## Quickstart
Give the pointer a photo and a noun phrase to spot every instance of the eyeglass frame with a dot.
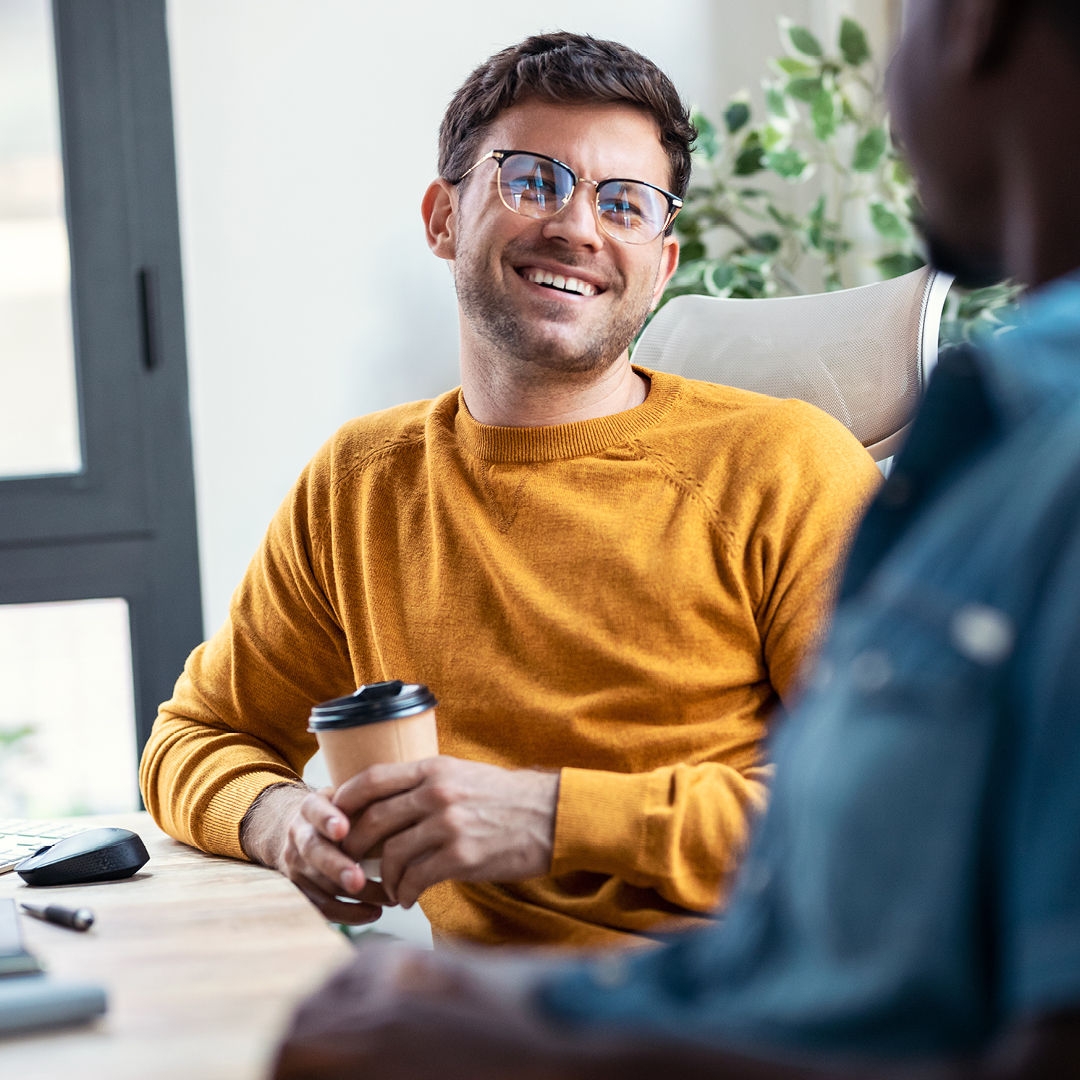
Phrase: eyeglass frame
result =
(675, 204)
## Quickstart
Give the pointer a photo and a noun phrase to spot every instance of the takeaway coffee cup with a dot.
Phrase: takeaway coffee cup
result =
(380, 722)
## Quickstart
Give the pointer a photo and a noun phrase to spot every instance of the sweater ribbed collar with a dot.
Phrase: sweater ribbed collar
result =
(556, 442)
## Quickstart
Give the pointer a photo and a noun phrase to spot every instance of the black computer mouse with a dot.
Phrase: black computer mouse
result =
(94, 855)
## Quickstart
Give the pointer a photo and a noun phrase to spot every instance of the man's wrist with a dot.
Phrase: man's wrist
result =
(264, 826)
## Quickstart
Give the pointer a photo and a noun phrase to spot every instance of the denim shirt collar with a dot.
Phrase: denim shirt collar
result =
(1036, 365)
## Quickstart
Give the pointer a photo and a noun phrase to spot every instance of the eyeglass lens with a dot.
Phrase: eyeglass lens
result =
(538, 187)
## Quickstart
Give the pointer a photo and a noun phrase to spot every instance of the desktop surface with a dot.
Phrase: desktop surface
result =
(203, 959)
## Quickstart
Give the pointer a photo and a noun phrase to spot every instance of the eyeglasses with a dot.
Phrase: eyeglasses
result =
(539, 186)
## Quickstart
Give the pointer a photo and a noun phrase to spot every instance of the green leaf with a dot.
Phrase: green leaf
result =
(767, 242)
(752, 261)
(718, 279)
(817, 211)
(804, 89)
(790, 66)
(775, 101)
(772, 137)
(834, 246)
(782, 218)
(706, 142)
(804, 42)
(853, 44)
(691, 250)
(888, 223)
(11, 736)
(869, 150)
(790, 163)
(899, 262)
(823, 115)
(899, 173)
(750, 158)
(688, 277)
(736, 115)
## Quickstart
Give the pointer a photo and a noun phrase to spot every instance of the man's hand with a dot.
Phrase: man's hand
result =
(445, 819)
(298, 832)
(469, 1015)
(407, 1015)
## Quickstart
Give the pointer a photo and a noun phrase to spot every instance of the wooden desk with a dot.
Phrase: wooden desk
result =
(203, 960)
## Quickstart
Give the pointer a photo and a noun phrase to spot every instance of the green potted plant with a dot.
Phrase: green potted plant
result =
(815, 195)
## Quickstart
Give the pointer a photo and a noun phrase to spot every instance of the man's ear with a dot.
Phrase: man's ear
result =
(439, 210)
(669, 260)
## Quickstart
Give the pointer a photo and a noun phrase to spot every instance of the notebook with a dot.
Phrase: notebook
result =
(29, 998)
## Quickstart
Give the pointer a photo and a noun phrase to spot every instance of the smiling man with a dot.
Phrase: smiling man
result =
(609, 577)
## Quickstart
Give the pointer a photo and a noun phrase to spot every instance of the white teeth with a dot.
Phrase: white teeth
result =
(558, 281)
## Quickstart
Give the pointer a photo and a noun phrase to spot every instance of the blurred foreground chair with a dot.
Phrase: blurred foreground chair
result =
(861, 354)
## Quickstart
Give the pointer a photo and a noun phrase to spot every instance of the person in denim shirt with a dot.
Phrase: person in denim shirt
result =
(911, 902)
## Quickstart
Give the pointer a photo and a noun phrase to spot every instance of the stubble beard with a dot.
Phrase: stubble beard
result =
(513, 334)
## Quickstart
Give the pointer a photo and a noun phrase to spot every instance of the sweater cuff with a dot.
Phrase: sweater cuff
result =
(601, 823)
(219, 832)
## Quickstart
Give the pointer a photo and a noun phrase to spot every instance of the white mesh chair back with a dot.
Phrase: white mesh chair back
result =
(861, 354)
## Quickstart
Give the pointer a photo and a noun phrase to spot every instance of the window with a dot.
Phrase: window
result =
(97, 517)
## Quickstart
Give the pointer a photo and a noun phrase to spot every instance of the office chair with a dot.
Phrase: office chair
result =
(861, 354)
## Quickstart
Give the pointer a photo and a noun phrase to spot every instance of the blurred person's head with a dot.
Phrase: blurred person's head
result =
(985, 99)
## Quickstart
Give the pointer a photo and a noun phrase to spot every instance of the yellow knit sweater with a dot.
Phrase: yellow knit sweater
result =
(621, 599)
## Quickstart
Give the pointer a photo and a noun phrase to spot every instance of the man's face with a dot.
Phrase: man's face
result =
(944, 130)
(502, 260)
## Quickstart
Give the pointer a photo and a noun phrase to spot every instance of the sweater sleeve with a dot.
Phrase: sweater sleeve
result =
(237, 720)
(682, 828)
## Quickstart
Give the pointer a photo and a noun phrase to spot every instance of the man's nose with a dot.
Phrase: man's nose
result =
(577, 223)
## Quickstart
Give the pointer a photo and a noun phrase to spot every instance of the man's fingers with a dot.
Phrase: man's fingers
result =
(364, 906)
(311, 854)
(441, 864)
(379, 782)
(385, 818)
(406, 849)
(352, 913)
(326, 874)
(324, 816)
(374, 893)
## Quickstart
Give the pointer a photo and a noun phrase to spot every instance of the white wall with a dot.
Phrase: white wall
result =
(305, 138)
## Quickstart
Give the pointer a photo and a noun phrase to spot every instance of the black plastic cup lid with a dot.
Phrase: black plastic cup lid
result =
(371, 704)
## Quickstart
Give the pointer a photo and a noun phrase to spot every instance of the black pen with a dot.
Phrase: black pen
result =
(75, 918)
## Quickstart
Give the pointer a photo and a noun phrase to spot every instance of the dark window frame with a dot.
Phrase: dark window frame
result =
(124, 526)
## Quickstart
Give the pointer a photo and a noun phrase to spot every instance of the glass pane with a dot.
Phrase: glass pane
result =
(39, 424)
(67, 712)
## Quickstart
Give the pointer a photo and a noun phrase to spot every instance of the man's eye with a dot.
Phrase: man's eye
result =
(533, 185)
(626, 213)
(540, 180)
(621, 207)
(630, 207)
(535, 189)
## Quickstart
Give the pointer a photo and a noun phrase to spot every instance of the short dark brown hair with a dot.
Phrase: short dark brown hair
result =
(568, 68)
